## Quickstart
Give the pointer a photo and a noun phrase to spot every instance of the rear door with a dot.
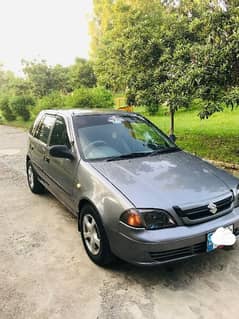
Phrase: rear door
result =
(61, 171)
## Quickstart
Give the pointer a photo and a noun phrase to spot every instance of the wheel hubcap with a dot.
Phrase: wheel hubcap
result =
(91, 234)
(30, 176)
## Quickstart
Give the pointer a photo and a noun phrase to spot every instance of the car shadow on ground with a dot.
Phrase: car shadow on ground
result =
(179, 275)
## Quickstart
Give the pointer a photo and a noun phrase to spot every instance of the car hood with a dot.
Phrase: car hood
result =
(165, 180)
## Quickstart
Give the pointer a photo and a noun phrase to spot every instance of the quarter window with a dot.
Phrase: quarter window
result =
(43, 131)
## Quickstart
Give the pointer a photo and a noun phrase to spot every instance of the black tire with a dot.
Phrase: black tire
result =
(102, 255)
(32, 178)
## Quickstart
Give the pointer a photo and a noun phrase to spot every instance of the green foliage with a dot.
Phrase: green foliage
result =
(100, 22)
(7, 81)
(90, 98)
(21, 106)
(159, 52)
(102, 98)
(44, 79)
(55, 100)
(82, 74)
(6, 110)
(152, 109)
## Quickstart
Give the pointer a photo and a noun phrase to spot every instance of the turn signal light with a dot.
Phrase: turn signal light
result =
(132, 218)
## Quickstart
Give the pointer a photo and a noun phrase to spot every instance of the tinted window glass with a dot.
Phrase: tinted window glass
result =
(35, 125)
(44, 129)
(59, 133)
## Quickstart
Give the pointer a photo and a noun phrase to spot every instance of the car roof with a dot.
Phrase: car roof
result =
(80, 112)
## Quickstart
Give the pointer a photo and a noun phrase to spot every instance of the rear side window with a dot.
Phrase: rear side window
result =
(59, 133)
(43, 130)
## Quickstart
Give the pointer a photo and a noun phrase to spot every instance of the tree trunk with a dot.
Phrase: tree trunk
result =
(172, 122)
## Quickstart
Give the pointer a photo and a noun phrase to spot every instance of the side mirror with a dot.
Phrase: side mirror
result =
(61, 151)
(172, 137)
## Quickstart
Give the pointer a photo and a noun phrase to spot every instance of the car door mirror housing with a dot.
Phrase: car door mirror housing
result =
(61, 151)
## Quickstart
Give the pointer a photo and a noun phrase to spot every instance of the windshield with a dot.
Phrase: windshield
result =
(107, 136)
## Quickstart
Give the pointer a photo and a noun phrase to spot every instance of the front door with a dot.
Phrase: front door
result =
(61, 171)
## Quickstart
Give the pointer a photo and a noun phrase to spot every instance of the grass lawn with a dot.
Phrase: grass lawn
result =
(18, 123)
(216, 138)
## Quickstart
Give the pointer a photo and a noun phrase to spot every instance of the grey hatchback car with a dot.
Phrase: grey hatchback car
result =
(137, 196)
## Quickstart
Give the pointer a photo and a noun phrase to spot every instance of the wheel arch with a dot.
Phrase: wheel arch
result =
(85, 201)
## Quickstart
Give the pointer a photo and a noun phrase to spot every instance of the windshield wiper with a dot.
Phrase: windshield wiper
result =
(164, 150)
(126, 156)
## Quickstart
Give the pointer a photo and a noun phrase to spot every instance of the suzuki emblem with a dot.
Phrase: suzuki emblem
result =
(212, 207)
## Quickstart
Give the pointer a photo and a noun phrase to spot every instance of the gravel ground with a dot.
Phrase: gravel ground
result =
(45, 273)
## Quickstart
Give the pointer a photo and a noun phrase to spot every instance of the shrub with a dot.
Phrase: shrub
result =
(21, 106)
(6, 110)
(152, 109)
(55, 100)
(102, 98)
(90, 98)
(80, 98)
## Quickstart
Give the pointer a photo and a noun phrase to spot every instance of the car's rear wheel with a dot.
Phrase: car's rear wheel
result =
(35, 186)
(94, 236)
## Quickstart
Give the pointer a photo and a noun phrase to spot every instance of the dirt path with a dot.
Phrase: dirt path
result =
(45, 273)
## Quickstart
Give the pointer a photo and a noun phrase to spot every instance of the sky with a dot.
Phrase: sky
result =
(54, 30)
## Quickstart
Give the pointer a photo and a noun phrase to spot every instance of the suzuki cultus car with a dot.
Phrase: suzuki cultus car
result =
(136, 194)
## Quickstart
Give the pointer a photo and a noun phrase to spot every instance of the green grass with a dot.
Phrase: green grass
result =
(216, 138)
(17, 123)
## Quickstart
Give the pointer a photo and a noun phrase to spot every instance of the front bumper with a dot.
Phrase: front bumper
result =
(144, 247)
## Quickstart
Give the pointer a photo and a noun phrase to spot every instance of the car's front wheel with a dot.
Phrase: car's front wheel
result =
(35, 186)
(94, 237)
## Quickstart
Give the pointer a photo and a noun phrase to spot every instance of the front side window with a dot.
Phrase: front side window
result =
(107, 136)
(59, 133)
(43, 131)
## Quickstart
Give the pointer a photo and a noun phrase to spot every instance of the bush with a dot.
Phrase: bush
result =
(80, 98)
(90, 98)
(21, 106)
(102, 98)
(152, 109)
(55, 100)
(6, 110)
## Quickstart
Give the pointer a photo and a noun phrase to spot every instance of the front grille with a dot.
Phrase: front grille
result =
(202, 214)
(172, 254)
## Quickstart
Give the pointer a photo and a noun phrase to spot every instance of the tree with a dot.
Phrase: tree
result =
(216, 60)
(100, 22)
(139, 55)
(81, 74)
(44, 79)
(7, 80)
(170, 52)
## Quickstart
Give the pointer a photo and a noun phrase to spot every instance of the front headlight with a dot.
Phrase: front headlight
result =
(147, 219)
